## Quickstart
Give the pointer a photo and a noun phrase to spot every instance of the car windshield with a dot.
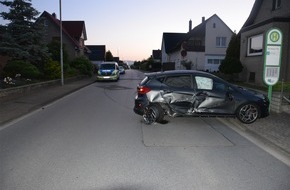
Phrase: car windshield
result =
(107, 66)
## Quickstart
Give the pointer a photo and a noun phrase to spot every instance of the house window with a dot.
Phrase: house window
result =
(221, 41)
(214, 61)
(276, 4)
(255, 45)
(214, 25)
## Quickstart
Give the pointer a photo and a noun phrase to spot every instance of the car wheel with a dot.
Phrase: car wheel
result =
(248, 113)
(153, 113)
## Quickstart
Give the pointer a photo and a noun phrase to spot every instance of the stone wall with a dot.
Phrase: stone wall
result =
(277, 104)
(9, 93)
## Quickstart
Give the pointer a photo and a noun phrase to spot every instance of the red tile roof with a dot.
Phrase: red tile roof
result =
(72, 29)
(75, 28)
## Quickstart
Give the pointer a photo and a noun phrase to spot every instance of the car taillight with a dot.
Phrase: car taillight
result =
(143, 89)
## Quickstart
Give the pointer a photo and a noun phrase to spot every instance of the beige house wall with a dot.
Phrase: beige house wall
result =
(52, 31)
(264, 21)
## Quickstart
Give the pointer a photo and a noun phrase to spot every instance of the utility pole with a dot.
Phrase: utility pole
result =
(61, 48)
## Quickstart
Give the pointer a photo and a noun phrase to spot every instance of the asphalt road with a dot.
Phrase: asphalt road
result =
(91, 140)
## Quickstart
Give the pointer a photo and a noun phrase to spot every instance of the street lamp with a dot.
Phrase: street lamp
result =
(61, 48)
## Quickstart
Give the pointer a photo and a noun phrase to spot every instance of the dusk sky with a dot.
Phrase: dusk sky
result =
(131, 29)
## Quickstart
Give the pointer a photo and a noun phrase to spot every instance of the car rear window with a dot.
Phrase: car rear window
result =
(182, 81)
(107, 66)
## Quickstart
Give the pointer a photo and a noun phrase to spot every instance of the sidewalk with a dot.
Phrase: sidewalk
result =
(19, 105)
(273, 130)
(271, 133)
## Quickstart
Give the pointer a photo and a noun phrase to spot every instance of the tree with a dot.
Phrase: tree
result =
(83, 65)
(232, 64)
(54, 51)
(22, 37)
(109, 56)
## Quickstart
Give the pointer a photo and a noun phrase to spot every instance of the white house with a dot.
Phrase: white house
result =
(202, 48)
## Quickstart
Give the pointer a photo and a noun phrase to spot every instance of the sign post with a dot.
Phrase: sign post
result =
(272, 59)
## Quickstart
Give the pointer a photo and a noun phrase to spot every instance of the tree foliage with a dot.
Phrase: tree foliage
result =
(83, 65)
(231, 64)
(24, 68)
(22, 37)
(52, 70)
(54, 51)
(109, 56)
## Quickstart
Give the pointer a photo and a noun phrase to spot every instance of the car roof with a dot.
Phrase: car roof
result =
(178, 72)
(192, 72)
(109, 62)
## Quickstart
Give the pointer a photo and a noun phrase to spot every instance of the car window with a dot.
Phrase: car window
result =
(183, 81)
(203, 83)
(219, 86)
(107, 66)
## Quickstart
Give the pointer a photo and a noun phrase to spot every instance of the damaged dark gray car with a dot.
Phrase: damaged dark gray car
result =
(196, 93)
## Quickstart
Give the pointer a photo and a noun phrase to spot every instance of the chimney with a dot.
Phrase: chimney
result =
(53, 15)
(203, 19)
(190, 25)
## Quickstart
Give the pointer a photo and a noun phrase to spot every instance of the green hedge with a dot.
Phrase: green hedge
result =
(83, 65)
(24, 68)
(52, 70)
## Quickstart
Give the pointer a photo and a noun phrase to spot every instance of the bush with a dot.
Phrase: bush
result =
(83, 65)
(52, 70)
(70, 72)
(279, 86)
(26, 69)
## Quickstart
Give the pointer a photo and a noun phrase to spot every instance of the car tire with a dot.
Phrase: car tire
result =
(152, 114)
(248, 113)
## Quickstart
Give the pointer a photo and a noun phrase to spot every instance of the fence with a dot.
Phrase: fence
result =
(281, 100)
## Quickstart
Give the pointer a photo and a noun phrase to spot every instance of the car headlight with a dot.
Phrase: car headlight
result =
(266, 99)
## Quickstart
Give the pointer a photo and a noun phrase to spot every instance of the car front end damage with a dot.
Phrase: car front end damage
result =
(260, 99)
(264, 107)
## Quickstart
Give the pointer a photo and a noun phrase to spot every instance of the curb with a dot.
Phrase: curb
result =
(259, 140)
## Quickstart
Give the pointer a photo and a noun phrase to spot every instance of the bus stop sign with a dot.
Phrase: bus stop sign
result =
(272, 59)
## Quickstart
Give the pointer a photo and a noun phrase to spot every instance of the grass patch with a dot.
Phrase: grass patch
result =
(279, 86)
(276, 88)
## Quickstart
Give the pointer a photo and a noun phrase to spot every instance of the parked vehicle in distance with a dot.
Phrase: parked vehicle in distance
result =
(196, 93)
(108, 71)
(122, 70)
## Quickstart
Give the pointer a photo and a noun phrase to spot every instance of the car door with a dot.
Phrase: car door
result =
(212, 96)
(177, 91)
